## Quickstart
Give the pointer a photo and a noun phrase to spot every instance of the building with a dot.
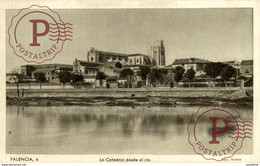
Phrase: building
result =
(158, 54)
(87, 69)
(139, 59)
(50, 70)
(195, 63)
(110, 63)
(126, 60)
(103, 57)
(111, 57)
(27, 70)
(110, 70)
(246, 68)
(106, 62)
(235, 64)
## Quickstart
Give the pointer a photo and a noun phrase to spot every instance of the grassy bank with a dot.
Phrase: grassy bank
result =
(128, 101)
(128, 92)
(132, 97)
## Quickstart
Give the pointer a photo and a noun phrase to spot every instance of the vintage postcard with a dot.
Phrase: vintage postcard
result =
(129, 82)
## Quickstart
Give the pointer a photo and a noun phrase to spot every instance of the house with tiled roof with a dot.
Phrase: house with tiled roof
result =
(246, 68)
(50, 71)
(195, 63)
(87, 69)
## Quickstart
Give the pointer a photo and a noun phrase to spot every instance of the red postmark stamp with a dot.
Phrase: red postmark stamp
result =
(37, 34)
(223, 131)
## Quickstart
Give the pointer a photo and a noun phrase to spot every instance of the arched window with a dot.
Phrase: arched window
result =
(92, 59)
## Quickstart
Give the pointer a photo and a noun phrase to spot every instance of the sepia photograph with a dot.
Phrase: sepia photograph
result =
(144, 81)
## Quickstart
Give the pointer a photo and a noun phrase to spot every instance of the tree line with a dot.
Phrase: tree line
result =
(151, 76)
(162, 75)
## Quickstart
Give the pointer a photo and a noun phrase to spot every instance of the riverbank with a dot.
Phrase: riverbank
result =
(134, 97)
(218, 92)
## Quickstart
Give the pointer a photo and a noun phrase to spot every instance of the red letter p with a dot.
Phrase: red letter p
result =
(35, 34)
(214, 129)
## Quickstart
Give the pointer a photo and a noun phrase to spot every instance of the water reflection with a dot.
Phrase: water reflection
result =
(101, 130)
(128, 127)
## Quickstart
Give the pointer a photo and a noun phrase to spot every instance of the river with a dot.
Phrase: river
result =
(104, 130)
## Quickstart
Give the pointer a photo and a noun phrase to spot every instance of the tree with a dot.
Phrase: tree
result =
(144, 73)
(76, 78)
(227, 73)
(170, 77)
(18, 78)
(118, 65)
(101, 76)
(128, 74)
(190, 74)
(214, 69)
(40, 77)
(21, 77)
(164, 73)
(158, 75)
(178, 71)
(155, 76)
(64, 76)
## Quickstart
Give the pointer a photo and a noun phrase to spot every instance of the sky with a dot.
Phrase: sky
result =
(212, 34)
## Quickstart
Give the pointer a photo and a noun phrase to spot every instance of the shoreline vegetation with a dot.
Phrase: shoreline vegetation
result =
(134, 97)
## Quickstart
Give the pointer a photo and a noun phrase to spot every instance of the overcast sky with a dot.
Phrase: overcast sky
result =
(212, 34)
